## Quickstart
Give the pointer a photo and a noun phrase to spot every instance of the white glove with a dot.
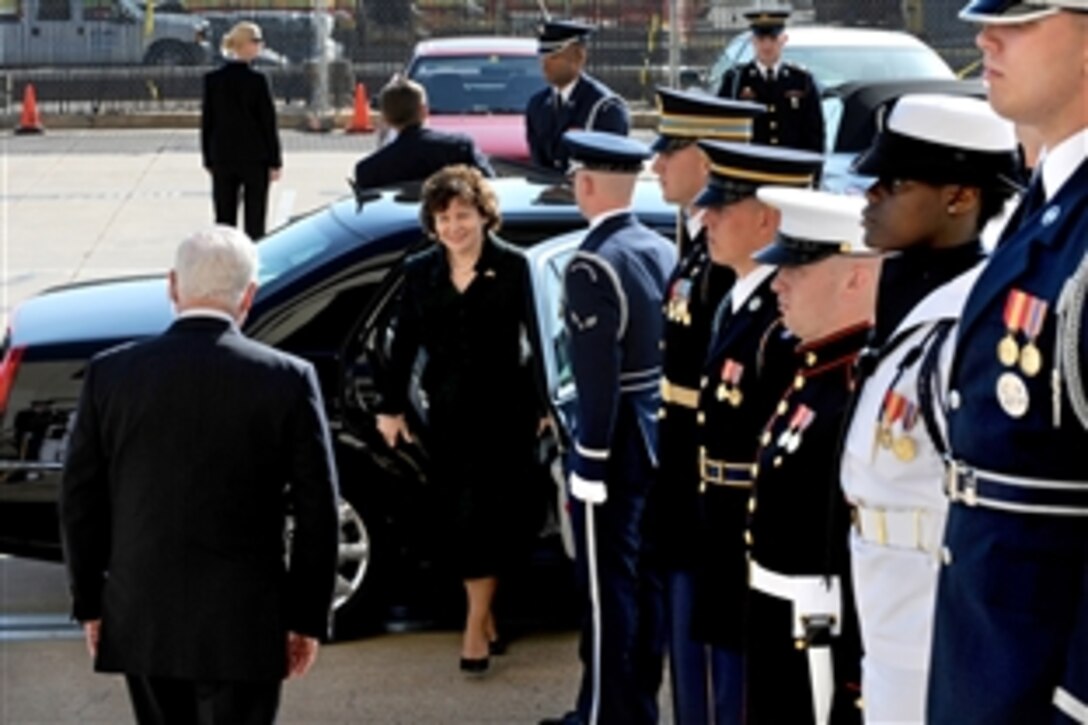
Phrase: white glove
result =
(587, 491)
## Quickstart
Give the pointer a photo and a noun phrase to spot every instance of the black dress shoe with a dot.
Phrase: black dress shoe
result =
(570, 718)
(497, 647)
(475, 665)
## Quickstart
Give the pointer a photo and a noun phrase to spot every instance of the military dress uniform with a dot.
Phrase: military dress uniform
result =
(746, 367)
(1011, 631)
(794, 116)
(801, 653)
(613, 290)
(695, 289)
(892, 460)
(589, 106)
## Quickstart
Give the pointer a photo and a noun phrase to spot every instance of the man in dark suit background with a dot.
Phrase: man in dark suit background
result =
(188, 451)
(416, 152)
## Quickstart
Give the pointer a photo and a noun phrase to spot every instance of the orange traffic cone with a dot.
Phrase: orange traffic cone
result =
(30, 121)
(360, 122)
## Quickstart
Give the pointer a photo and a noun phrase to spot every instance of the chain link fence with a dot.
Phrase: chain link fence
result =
(99, 56)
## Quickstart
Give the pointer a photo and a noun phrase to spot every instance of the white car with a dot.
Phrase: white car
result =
(839, 55)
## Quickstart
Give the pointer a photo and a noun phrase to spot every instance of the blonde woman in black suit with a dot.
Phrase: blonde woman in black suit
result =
(240, 144)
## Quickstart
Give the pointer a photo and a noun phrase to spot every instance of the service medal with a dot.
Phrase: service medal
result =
(1012, 394)
(736, 397)
(885, 437)
(1008, 351)
(793, 443)
(722, 392)
(1031, 360)
(905, 448)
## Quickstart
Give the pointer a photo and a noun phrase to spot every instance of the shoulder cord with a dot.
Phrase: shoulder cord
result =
(1066, 347)
(591, 120)
(930, 399)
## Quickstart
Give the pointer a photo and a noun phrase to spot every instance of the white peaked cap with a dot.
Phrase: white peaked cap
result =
(961, 121)
(815, 224)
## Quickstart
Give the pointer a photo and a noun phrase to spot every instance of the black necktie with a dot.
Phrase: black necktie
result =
(770, 75)
(1034, 199)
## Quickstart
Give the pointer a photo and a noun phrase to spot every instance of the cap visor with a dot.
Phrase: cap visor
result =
(717, 196)
(782, 256)
(1011, 18)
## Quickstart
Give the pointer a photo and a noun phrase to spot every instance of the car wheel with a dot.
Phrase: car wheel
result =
(167, 53)
(357, 599)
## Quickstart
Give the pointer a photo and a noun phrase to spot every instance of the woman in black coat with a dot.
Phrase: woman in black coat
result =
(465, 302)
(239, 140)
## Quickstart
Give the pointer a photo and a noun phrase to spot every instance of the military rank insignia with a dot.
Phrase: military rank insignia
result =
(729, 387)
(677, 309)
(1024, 316)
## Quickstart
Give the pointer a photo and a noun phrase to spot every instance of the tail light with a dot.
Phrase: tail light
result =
(9, 367)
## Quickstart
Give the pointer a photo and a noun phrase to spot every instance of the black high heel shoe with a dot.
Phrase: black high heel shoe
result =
(475, 665)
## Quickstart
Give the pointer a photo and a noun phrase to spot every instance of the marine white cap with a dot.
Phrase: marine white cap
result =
(815, 224)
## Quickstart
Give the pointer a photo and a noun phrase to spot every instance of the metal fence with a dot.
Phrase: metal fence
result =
(118, 59)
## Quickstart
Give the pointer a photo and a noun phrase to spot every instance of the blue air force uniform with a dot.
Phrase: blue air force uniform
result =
(613, 290)
(802, 653)
(1011, 631)
(695, 289)
(794, 116)
(748, 364)
(589, 105)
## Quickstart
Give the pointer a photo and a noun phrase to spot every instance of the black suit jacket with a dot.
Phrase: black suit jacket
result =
(187, 451)
(794, 117)
(415, 154)
(238, 119)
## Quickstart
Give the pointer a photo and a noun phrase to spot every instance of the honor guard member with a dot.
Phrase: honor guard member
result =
(613, 290)
(747, 366)
(802, 655)
(573, 100)
(695, 289)
(944, 166)
(1011, 630)
(794, 117)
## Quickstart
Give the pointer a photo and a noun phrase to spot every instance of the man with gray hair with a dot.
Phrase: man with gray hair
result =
(187, 452)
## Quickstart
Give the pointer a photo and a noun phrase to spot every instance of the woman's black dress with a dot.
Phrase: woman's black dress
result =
(481, 401)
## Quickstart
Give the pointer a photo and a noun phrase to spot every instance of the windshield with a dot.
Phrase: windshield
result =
(480, 84)
(296, 244)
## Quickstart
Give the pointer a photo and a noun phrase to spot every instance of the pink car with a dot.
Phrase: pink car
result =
(479, 86)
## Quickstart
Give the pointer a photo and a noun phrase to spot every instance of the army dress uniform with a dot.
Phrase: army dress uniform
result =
(802, 654)
(695, 290)
(613, 290)
(794, 116)
(589, 105)
(746, 368)
(1011, 631)
(892, 461)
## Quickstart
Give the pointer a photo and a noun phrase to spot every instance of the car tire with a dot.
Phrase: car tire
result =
(358, 601)
(168, 53)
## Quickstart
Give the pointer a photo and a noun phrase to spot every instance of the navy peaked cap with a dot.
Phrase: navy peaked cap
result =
(1008, 12)
(600, 151)
(558, 34)
(687, 116)
(767, 22)
(738, 170)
